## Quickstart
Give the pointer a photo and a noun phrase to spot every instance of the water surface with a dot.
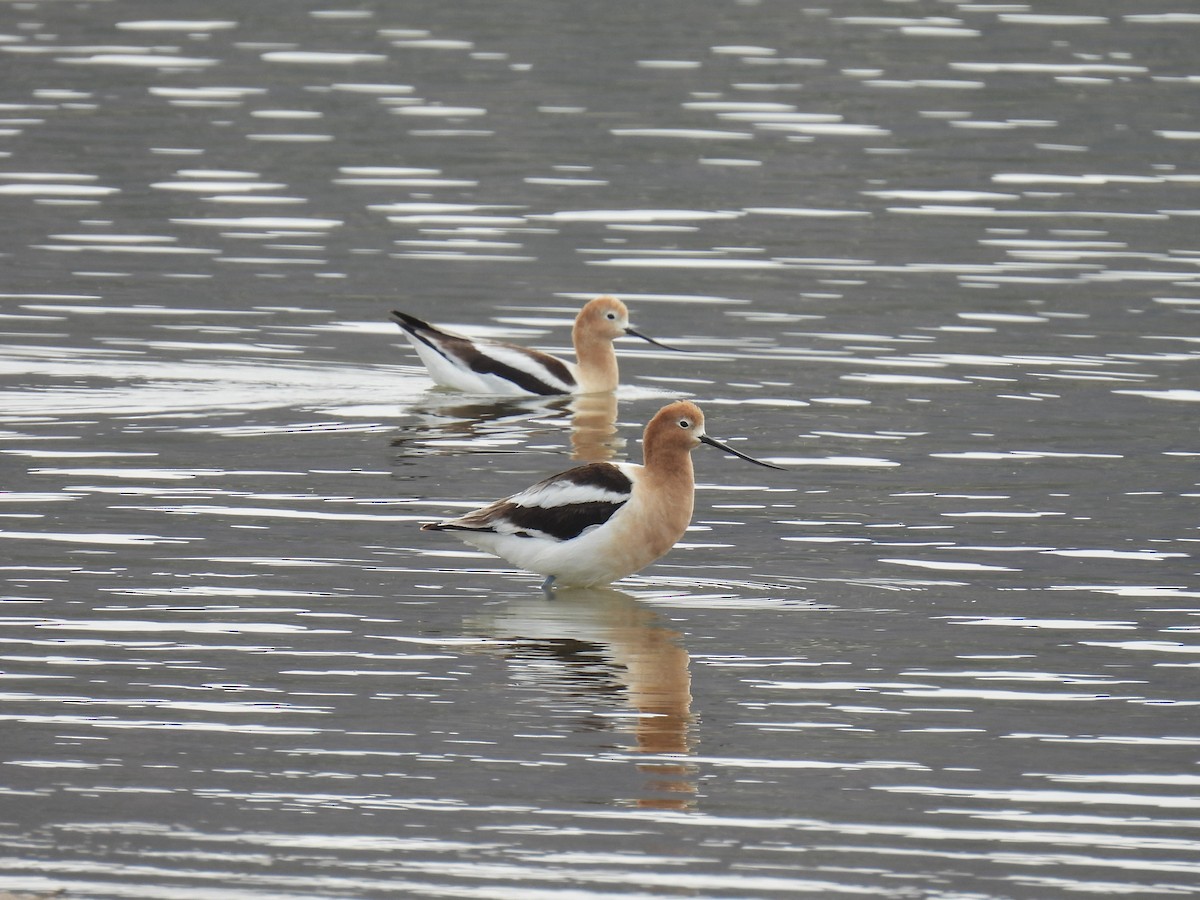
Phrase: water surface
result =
(934, 259)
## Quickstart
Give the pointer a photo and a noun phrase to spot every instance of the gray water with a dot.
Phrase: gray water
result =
(938, 260)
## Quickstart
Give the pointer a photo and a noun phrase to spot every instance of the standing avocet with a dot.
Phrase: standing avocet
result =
(602, 521)
(483, 366)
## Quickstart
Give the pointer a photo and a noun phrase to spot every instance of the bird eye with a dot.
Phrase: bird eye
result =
(684, 423)
(610, 316)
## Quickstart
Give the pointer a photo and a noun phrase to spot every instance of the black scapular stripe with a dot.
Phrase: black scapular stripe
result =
(486, 365)
(479, 362)
(560, 522)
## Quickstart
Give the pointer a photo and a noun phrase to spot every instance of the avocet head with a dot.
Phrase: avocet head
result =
(605, 317)
(681, 424)
(608, 318)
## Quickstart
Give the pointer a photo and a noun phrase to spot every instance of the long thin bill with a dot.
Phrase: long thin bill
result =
(704, 438)
(650, 340)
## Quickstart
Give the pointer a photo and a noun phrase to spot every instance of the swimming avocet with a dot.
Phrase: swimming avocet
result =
(602, 521)
(494, 367)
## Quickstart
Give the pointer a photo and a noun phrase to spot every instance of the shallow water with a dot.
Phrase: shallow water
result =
(936, 260)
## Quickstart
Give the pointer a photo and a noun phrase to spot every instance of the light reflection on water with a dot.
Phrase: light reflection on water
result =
(947, 651)
(597, 642)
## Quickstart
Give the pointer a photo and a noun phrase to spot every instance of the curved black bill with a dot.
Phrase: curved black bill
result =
(650, 340)
(704, 438)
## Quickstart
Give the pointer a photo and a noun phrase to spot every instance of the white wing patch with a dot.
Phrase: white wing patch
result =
(567, 493)
(519, 359)
(447, 373)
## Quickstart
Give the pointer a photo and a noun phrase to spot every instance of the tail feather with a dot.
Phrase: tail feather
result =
(410, 323)
(453, 526)
(418, 330)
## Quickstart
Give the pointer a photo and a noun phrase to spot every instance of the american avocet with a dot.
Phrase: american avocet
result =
(601, 521)
(494, 367)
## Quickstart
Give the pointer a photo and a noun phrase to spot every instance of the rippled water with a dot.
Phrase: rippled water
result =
(936, 259)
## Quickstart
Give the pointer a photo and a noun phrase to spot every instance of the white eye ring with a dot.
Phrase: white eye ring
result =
(610, 316)
(684, 423)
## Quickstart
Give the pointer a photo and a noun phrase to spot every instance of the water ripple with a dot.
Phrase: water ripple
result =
(960, 624)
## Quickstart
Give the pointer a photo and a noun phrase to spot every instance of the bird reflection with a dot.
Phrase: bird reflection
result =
(448, 423)
(605, 643)
(594, 427)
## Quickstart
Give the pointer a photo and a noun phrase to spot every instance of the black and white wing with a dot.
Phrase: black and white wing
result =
(558, 508)
(496, 367)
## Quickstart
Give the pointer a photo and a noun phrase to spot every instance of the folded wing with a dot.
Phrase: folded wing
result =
(497, 366)
(558, 508)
